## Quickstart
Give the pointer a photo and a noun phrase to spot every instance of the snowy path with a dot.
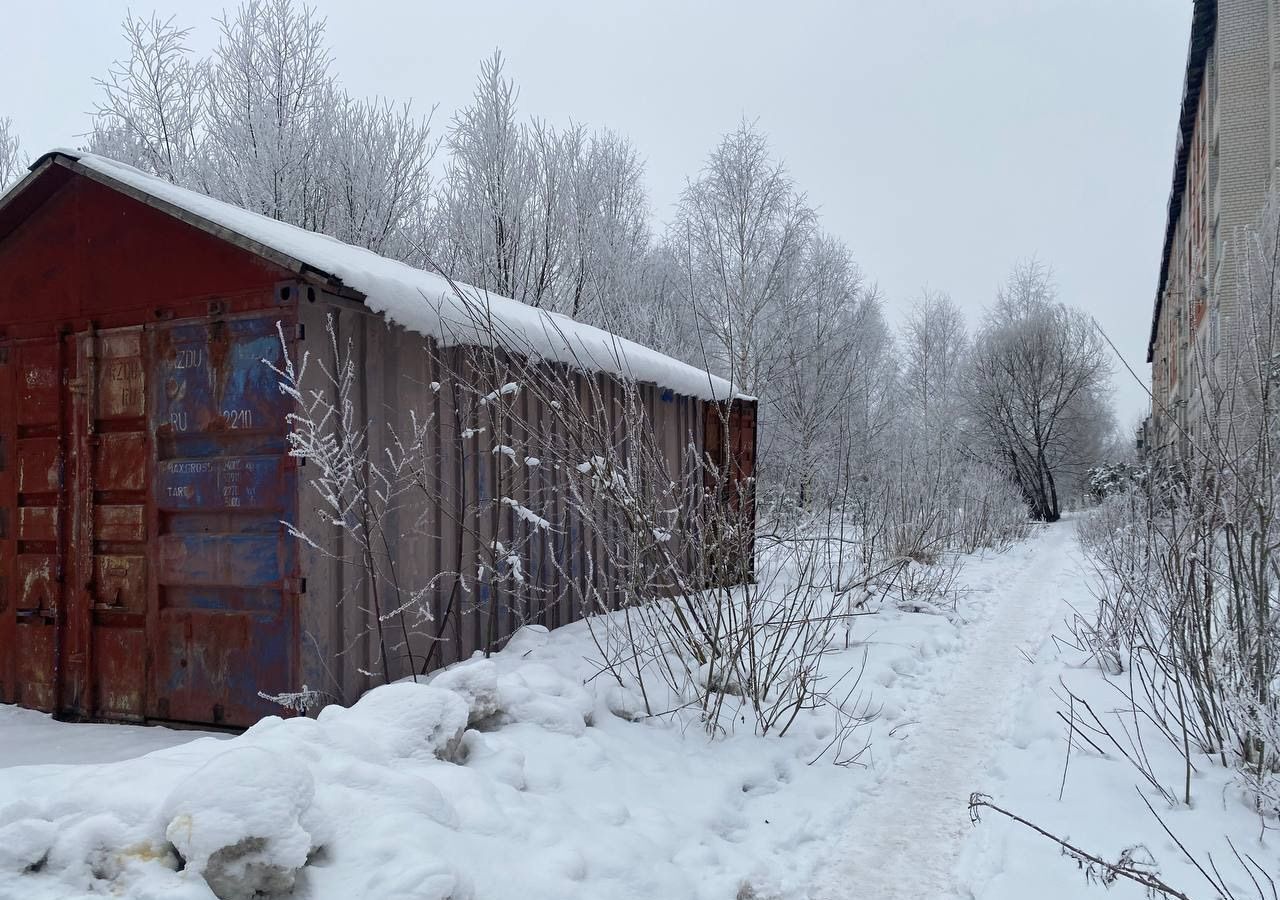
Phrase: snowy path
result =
(904, 840)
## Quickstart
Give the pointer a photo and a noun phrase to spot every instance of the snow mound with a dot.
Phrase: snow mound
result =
(237, 821)
(476, 682)
(25, 843)
(405, 720)
(526, 640)
(537, 694)
(532, 693)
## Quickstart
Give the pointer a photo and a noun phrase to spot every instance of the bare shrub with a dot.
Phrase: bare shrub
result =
(1186, 559)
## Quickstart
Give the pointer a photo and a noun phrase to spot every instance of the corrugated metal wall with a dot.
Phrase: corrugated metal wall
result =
(403, 375)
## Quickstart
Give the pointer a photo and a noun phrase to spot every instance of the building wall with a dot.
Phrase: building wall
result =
(1243, 132)
(1230, 159)
(1184, 311)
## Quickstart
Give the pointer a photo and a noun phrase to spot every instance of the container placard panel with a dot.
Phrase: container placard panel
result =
(221, 560)
(216, 379)
(236, 482)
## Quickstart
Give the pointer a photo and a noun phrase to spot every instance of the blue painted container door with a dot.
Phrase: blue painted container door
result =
(226, 569)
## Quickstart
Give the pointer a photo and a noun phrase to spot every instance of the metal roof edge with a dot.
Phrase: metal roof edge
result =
(36, 169)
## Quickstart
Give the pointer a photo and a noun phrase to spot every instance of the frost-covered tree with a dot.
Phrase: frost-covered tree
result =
(941, 497)
(834, 393)
(556, 218)
(376, 184)
(876, 368)
(263, 124)
(1038, 385)
(609, 235)
(935, 344)
(270, 97)
(657, 314)
(824, 361)
(12, 162)
(740, 234)
(491, 219)
(150, 112)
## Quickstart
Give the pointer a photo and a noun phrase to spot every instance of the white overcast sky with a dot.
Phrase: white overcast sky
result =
(941, 140)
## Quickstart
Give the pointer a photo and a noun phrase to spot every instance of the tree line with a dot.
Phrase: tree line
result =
(915, 423)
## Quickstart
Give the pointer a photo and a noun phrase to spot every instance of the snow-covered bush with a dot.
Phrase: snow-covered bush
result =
(1113, 478)
(733, 645)
(1187, 604)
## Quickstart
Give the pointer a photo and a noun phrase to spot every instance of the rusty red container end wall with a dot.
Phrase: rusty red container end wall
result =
(144, 572)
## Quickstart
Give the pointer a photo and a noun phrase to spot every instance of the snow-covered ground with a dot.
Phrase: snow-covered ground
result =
(1102, 809)
(904, 839)
(30, 739)
(557, 791)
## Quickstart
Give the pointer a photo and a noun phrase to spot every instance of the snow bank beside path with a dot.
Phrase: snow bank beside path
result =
(28, 739)
(1101, 809)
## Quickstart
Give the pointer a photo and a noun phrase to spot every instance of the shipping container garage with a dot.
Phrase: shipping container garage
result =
(147, 491)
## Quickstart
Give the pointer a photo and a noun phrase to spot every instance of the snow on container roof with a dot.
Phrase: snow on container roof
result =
(418, 300)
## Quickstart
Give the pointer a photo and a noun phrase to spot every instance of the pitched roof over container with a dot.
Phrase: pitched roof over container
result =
(420, 301)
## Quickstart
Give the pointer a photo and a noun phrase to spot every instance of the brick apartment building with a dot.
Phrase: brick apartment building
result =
(1227, 149)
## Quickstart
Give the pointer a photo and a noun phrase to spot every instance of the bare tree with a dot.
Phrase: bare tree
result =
(270, 91)
(609, 234)
(935, 344)
(1038, 375)
(830, 335)
(740, 234)
(940, 500)
(557, 219)
(12, 162)
(377, 175)
(488, 219)
(263, 124)
(150, 115)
